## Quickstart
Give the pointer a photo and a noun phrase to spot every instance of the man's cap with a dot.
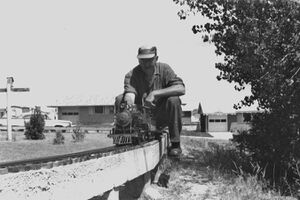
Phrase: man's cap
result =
(145, 52)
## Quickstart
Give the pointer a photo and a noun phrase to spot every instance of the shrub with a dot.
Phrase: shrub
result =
(35, 127)
(78, 135)
(224, 157)
(237, 176)
(274, 143)
(59, 138)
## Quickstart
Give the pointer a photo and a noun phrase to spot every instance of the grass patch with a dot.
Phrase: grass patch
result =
(26, 149)
(195, 133)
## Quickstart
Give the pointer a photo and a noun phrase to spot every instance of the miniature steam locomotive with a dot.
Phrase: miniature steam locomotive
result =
(133, 125)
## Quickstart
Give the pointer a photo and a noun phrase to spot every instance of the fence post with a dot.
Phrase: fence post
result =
(8, 107)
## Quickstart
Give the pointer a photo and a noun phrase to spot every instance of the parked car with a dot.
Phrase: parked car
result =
(15, 122)
(50, 122)
(20, 121)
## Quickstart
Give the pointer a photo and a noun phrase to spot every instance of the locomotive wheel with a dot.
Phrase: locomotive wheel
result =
(136, 140)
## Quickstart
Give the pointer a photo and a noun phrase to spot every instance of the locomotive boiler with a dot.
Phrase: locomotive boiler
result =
(133, 124)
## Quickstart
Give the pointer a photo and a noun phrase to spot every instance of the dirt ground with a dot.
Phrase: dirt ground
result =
(184, 179)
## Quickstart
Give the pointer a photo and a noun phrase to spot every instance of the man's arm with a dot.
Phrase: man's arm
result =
(174, 90)
(129, 88)
(174, 84)
(129, 98)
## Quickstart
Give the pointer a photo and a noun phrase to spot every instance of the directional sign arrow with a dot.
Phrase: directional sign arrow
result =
(20, 89)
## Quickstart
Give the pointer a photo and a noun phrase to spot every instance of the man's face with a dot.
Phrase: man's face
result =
(148, 63)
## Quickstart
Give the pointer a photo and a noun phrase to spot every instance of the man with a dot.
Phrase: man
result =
(160, 87)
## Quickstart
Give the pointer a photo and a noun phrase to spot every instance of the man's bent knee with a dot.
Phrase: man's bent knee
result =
(174, 100)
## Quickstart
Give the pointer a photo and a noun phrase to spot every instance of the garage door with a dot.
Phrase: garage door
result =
(71, 115)
(217, 125)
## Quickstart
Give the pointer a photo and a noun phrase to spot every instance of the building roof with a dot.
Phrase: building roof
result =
(249, 111)
(217, 114)
(84, 100)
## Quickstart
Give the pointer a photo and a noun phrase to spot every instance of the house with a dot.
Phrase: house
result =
(186, 117)
(244, 116)
(242, 121)
(190, 117)
(233, 122)
(217, 122)
(231, 118)
(190, 114)
(92, 110)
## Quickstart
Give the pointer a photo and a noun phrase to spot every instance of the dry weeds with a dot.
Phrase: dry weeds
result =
(191, 179)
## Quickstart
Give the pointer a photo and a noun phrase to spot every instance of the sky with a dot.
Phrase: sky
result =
(62, 48)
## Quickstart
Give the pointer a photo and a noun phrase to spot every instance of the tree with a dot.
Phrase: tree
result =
(260, 43)
(35, 127)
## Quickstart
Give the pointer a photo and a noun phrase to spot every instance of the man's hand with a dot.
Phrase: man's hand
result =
(129, 98)
(150, 99)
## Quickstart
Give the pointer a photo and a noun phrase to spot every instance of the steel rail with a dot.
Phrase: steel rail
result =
(49, 128)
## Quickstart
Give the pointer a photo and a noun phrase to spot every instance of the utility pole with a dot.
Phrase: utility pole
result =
(9, 88)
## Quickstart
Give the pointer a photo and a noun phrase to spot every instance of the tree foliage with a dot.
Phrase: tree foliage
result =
(260, 43)
(35, 127)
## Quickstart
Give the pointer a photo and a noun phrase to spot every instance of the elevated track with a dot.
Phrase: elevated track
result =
(81, 175)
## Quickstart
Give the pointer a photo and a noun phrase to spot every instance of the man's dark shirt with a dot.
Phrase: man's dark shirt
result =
(163, 77)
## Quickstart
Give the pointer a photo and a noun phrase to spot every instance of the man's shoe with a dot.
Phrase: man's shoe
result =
(176, 152)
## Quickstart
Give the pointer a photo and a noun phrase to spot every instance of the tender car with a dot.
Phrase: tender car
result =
(20, 121)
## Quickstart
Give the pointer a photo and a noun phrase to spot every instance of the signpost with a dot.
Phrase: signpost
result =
(9, 88)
